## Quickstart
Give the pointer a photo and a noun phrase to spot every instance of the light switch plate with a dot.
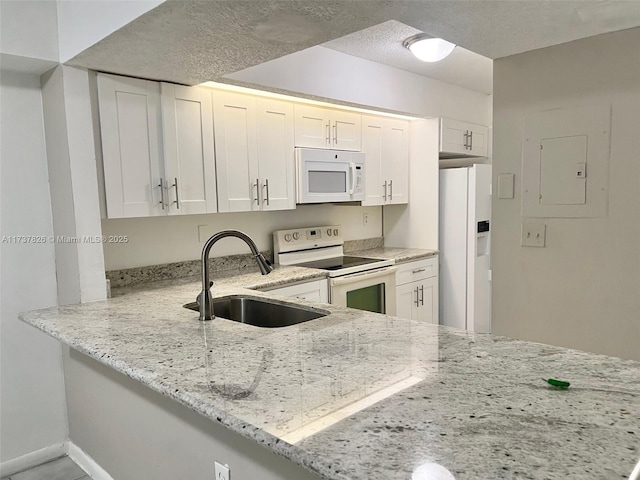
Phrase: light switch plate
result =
(505, 185)
(533, 234)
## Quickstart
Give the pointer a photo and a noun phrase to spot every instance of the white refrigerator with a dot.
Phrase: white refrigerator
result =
(465, 248)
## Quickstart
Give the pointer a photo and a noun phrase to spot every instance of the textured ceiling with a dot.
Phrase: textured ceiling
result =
(383, 44)
(192, 42)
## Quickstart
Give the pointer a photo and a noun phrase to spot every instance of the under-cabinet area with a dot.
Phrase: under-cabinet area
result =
(173, 150)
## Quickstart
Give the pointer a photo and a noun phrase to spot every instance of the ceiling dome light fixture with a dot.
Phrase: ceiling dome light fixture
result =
(427, 48)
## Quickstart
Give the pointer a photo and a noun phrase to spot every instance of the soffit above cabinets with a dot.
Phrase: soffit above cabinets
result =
(192, 42)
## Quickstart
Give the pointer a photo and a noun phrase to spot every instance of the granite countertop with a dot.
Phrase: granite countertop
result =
(359, 395)
(400, 255)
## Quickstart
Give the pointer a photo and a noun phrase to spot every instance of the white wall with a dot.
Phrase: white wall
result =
(583, 289)
(32, 408)
(160, 240)
(29, 29)
(74, 184)
(335, 75)
(135, 433)
(82, 23)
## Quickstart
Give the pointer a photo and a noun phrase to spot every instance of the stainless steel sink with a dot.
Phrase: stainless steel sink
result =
(261, 312)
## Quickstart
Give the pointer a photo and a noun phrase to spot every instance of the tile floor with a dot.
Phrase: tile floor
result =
(61, 469)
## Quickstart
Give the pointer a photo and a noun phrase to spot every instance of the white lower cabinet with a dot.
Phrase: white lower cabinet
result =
(314, 291)
(417, 290)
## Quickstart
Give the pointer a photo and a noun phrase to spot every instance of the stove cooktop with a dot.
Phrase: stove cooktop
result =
(339, 263)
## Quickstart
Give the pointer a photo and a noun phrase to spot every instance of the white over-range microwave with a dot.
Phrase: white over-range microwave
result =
(329, 176)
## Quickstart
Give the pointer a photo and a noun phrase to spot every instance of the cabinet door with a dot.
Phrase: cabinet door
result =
(188, 145)
(478, 140)
(312, 127)
(462, 138)
(427, 310)
(406, 296)
(372, 146)
(453, 136)
(396, 160)
(236, 152)
(346, 131)
(131, 130)
(276, 154)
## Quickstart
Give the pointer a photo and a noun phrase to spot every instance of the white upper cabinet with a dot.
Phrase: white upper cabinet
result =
(462, 139)
(385, 142)
(276, 168)
(254, 153)
(187, 120)
(318, 127)
(236, 151)
(131, 129)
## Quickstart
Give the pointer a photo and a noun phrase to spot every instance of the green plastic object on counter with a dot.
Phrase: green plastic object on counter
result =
(557, 383)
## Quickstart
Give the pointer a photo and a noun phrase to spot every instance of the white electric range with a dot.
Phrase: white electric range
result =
(356, 282)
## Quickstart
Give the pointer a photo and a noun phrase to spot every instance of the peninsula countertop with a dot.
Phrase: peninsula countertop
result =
(359, 395)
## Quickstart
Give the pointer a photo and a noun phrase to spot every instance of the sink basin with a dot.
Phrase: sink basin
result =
(261, 312)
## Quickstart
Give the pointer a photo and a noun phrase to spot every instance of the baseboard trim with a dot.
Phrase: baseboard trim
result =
(33, 459)
(88, 464)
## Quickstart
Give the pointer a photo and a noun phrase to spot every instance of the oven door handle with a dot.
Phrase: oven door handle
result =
(364, 275)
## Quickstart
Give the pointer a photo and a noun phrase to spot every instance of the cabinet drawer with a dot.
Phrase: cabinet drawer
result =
(418, 270)
(315, 291)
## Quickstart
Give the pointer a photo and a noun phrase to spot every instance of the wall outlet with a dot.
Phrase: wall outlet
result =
(365, 218)
(533, 234)
(204, 232)
(223, 472)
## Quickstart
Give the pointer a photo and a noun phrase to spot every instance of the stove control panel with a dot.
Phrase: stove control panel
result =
(300, 239)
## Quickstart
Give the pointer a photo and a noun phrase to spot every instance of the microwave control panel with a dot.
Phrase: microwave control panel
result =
(359, 183)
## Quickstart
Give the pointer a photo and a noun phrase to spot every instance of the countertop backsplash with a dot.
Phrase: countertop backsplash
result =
(190, 268)
(365, 244)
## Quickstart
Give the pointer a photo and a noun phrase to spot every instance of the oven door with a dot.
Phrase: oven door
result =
(374, 290)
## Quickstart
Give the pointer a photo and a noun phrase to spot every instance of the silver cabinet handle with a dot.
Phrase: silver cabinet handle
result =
(385, 191)
(390, 190)
(471, 140)
(421, 294)
(175, 184)
(417, 301)
(257, 185)
(162, 203)
(329, 133)
(266, 186)
(466, 139)
(418, 270)
(335, 133)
